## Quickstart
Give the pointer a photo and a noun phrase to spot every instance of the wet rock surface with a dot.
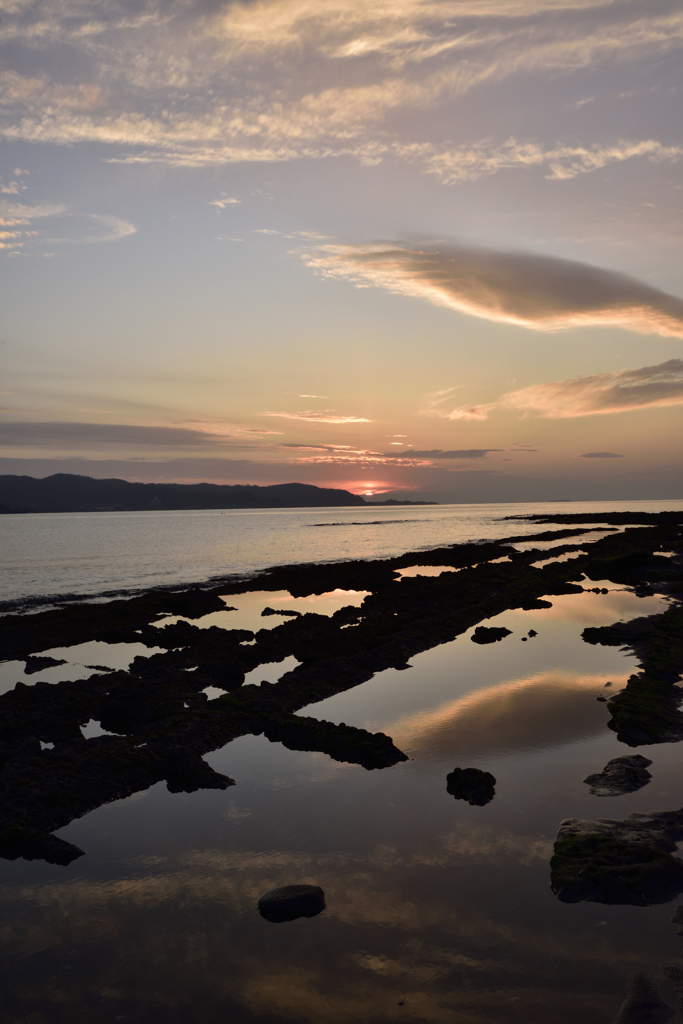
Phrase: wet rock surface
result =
(622, 862)
(471, 784)
(620, 775)
(289, 902)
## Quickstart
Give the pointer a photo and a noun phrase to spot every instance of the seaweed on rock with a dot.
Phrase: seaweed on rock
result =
(609, 861)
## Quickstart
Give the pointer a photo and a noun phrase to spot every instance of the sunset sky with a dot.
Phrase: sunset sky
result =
(418, 248)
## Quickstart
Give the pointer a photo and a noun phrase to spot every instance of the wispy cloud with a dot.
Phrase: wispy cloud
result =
(177, 83)
(318, 416)
(541, 292)
(438, 453)
(600, 455)
(23, 226)
(225, 202)
(603, 393)
(560, 162)
(78, 435)
(17, 220)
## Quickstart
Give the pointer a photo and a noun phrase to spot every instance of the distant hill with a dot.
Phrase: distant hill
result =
(66, 492)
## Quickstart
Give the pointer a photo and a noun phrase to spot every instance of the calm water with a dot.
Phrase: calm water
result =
(436, 911)
(92, 552)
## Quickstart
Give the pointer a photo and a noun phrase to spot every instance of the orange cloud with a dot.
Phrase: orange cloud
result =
(645, 388)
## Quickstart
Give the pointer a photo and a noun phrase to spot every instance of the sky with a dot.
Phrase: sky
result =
(419, 249)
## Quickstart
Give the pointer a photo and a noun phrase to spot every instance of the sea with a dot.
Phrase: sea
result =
(437, 912)
(55, 556)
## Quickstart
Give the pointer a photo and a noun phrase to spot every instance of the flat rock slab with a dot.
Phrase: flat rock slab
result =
(288, 902)
(471, 784)
(619, 862)
(620, 775)
(489, 634)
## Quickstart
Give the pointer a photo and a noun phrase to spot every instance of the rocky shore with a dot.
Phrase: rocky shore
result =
(163, 723)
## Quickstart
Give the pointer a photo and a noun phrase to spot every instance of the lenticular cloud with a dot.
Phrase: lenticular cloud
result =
(540, 292)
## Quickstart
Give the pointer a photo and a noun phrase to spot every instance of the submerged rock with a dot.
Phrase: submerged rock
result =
(678, 918)
(620, 775)
(627, 861)
(675, 975)
(287, 902)
(643, 1004)
(489, 634)
(471, 784)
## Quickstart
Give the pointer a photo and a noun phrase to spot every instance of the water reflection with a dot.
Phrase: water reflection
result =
(535, 713)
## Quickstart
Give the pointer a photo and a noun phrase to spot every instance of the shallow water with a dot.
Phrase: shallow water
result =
(92, 552)
(436, 910)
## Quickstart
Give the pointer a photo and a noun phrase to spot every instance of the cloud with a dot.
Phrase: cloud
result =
(224, 202)
(561, 162)
(600, 455)
(112, 228)
(544, 293)
(194, 84)
(16, 222)
(73, 436)
(437, 453)
(646, 388)
(18, 230)
(64, 434)
(318, 416)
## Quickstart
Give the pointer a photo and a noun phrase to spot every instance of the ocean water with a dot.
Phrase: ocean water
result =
(437, 912)
(90, 553)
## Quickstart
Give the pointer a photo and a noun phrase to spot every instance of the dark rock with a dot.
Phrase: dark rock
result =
(678, 918)
(620, 775)
(18, 842)
(603, 700)
(36, 664)
(643, 1004)
(647, 711)
(288, 902)
(280, 611)
(489, 634)
(532, 632)
(619, 862)
(471, 784)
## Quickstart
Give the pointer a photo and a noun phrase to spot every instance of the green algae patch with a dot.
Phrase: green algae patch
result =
(599, 869)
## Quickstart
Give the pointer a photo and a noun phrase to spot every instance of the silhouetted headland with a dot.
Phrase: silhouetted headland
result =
(66, 492)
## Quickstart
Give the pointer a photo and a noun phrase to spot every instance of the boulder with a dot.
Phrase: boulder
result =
(489, 634)
(620, 775)
(471, 784)
(627, 861)
(287, 902)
